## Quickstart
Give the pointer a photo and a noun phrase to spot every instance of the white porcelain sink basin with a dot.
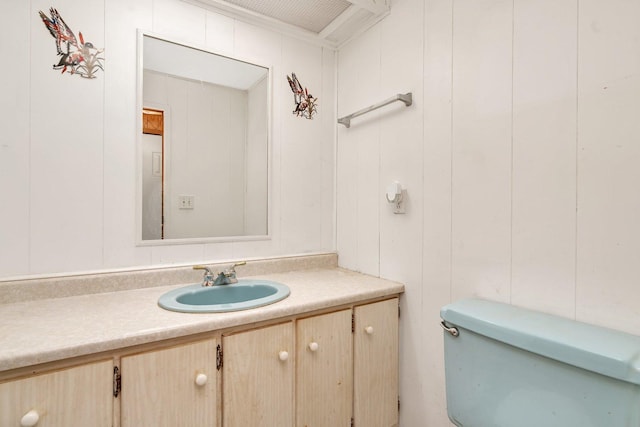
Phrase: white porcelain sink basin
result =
(243, 295)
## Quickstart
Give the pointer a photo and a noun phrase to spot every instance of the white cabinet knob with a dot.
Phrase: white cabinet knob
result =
(201, 379)
(313, 346)
(30, 419)
(369, 330)
(283, 355)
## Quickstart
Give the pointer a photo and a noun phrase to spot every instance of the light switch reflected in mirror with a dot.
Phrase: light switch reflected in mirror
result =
(204, 144)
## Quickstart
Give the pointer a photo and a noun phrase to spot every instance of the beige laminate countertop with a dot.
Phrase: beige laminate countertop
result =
(48, 330)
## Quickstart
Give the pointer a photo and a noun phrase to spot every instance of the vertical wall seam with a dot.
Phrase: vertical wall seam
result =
(233, 34)
(206, 33)
(323, 87)
(451, 152)
(577, 162)
(30, 145)
(104, 137)
(422, 287)
(513, 42)
(336, 134)
(281, 122)
(422, 145)
(379, 142)
(336, 64)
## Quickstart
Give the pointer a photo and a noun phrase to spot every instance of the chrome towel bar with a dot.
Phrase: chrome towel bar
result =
(407, 98)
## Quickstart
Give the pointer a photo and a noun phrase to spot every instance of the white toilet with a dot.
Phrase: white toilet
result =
(510, 367)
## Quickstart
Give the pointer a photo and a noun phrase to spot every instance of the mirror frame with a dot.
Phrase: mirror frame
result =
(138, 167)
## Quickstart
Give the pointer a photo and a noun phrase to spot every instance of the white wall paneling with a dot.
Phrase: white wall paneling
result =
(180, 21)
(122, 18)
(15, 139)
(529, 167)
(301, 156)
(401, 159)
(256, 196)
(381, 147)
(608, 157)
(69, 144)
(219, 33)
(519, 156)
(358, 162)
(210, 140)
(67, 125)
(328, 155)
(544, 155)
(436, 257)
(481, 175)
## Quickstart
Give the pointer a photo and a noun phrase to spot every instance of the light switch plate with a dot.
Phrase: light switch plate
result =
(185, 201)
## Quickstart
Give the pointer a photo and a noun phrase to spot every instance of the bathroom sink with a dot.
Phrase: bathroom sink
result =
(243, 295)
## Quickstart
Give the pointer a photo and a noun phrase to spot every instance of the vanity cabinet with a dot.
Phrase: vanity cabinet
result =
(375, 364)
(170, 387)
(260, 366)
(333, 368)
(257, 377)
(342, 365)
(324, 374)
(74, 397)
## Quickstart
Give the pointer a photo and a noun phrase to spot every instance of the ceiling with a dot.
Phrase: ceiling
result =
(332, 22)
(186, 62)
(312, 15)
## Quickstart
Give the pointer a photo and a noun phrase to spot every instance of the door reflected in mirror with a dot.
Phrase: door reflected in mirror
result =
(204, 144)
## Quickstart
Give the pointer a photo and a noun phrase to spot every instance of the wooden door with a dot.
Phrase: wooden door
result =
(153, 176)
(257, 377)
(167, 387)
(324, 370)
(75, 397)
(376, 364)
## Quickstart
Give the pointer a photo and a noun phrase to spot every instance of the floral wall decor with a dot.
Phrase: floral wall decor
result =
(76, 55)
(306, 104)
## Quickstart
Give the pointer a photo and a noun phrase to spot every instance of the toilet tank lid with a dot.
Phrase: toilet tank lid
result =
(606, 351)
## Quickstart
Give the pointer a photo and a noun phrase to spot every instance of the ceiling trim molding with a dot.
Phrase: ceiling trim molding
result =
(379, 9)
(361, 29)
(259, 20)
(376, 7)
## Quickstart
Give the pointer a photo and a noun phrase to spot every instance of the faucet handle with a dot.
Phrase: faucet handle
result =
(232, 269)
(228, 275)
(207, 280)
(207, 270)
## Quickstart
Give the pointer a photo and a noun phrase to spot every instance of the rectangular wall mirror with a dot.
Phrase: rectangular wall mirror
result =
(203, 144)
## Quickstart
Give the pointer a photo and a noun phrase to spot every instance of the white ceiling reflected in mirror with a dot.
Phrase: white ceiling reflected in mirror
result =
(203, 144)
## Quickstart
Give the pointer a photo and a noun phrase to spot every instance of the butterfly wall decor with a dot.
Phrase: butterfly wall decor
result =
(306, 104)
(76, 55)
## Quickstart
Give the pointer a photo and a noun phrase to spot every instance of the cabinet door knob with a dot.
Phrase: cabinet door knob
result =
(313, 346)
(30, 419)
(369, 330)
(201, 379)
(283, 355)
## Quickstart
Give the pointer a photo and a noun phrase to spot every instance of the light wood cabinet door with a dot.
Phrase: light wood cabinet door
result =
(170, 387)
(324, 370)
(376, 364)
(75, 397)
(257, 379)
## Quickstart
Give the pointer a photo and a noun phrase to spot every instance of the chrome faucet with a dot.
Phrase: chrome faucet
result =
(207, 280)
(225, 277)
(228, 276)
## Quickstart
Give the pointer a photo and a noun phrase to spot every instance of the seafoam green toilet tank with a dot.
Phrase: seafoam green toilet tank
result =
(512, 367)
